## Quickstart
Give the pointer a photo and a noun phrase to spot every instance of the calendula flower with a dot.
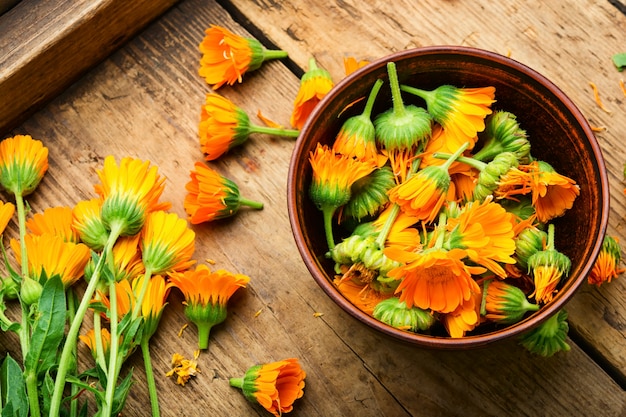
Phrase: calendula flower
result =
(461, 111)
(506, 303)
(184, 368)
(464, 185)
(360, 293)
(90, 340)
(167, 243)
(23, 163)
(125, 299)
(333, 175)
(275, 386)
(224, 125)
(552, 193)
(368, 195)
(153, 303)
(401, 234)
(548, 267)
(441, 143)
(129, 192)
(491, 173)
(88, 223)
(55, 221)
(314, 85)
(211, 196)
(607, 266)
(7, 210)
(350, 64)
(528, 242)
(434, 279)
(485, 231)
(226, 57)
(206, 296)
(503, 134)
(357, 136)
(464, 318)
(402, 126)
(549, 337)
(423, 194)
(395, 313)
(49, 255)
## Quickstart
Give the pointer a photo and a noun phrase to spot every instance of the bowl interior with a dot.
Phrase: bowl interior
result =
(558, 133)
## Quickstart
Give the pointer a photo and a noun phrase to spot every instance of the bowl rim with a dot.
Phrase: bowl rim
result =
(424, 340)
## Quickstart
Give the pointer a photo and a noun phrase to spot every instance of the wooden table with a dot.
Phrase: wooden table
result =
(144, 100)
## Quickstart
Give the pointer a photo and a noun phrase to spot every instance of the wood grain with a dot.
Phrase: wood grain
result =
(47, 45)
(144, 101)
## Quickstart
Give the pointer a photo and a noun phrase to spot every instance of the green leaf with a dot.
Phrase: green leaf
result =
(13, 389)
(620, 61)
(48, 329)
(121, 393)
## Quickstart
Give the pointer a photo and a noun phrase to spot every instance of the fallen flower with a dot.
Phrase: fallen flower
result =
(184, 368)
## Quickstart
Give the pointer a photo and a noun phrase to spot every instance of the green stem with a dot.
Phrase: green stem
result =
(277, 131)
(4, 319)
(416, 91)
(328, 213)
(396, 95)
(274, 54)
(33, 393)
(550, 243)
(72, 334)
(384, 232)
(454, 156)
(250, 203)
(97, 330)
(236, 382)
(474, 163)
(71, 313)
(154, 399)
(441, 225)
(371, 99)
(204, 332)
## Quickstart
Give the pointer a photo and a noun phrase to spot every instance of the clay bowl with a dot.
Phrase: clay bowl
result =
(558, 132)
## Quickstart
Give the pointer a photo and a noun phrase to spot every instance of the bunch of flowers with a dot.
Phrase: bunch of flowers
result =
(445, 215)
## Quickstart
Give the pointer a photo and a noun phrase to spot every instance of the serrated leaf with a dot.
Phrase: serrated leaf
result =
(49, 328)
(13, 389)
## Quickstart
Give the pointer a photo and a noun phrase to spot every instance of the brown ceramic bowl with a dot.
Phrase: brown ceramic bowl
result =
(558, 132)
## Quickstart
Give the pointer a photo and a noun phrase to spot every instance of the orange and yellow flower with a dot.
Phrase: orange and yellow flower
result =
(362, 295)
(505, 303)
(54, 221)
(7, 210)
(434, 279)
(167, 243)
(51, 255)
(23, 163)
(275, 386)
(129, 191)
(607, 266)
(88, 223)
(90, 340)
(226, 57)
(206, 296)
(314, 85)
(211, 196)
(184, 368)
(223, 126)
(350, 64)
(465, 317)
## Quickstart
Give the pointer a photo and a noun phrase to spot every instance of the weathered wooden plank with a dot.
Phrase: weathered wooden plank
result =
(144, 102)
(571, 43)
(47, 45)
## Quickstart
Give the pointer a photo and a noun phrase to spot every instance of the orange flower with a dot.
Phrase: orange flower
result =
(88, 223)
(54, 221)
(227, 56)
(464, 318)
(401, 236)
(127, 258)
(23, 163)
(211, 196)
(49, 255)
(167, 243)
(90, 340)
(275, 386)
(435, 279)
(552, 193)
(7, 210)
(548, 267)
(153, 302)
(184, 368)
(206, 295)
(223, 126)
(442, 142)
(314, 85)
(461, 111)
(362, 295)
(129, 192)
(485, 231)
(607, 266)
(350, 64)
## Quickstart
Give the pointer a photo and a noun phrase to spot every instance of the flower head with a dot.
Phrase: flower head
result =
(23, 163)
(50, 255)
(549, 337)
(503, 134)
(153, 302)
(368, 194)
(548, 267)
(314, 85)
(350, 64)
(206, 296)
(7, 210)
(226, 57)
(211, 196)
(465, 317)
(362, 294)
(223, 126)
(395, 313)
(54, 221)
(129, 192)
(167, 243)
(506, 303)
(275, 386)
(434, 279)
(88, 223)
(607, 266)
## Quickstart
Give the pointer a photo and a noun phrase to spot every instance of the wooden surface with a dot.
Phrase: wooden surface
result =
(144, 101)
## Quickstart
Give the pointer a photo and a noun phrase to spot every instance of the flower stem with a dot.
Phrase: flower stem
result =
(277, 131)
(71, 313)
(274, 54)
(236, 382)
(474, 163)
(369, 105)
(250, 203)
(396, 95)
(384, 232)
(328, 212)
(32, 392)
(204, 331)
(154, 399)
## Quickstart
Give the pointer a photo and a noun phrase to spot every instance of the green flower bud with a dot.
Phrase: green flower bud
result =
(528, 242)
(489, 176)
(369, 194)
(30, 291)
(395, 313)
(503, 134)
(549, 337)
(9, 288)
(506, 303)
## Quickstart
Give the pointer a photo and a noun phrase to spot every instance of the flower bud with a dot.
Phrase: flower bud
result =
(549, 337)
(395, 313)
(488, 177)
(506, 303)
(30, 291)
(503, 134)
(528, 242)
